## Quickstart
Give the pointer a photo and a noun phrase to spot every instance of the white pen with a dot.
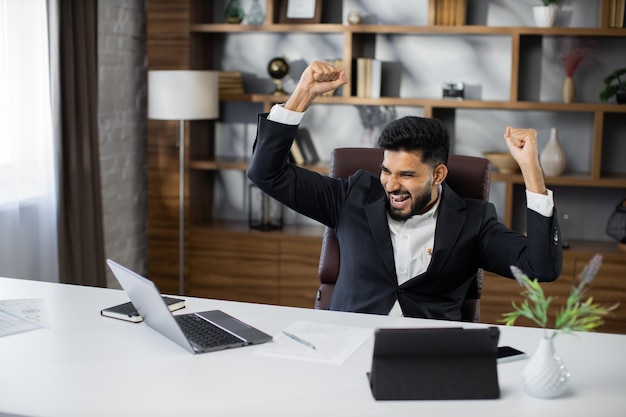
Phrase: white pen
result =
(298, 339)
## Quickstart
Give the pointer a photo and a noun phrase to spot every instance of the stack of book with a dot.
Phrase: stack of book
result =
(368, 77)
(449, 12)
(230, 83)
(616, 13)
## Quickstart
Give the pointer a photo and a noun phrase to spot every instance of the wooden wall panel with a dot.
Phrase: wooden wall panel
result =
(167, 28)
(168, 34)
(608, 287)
(299, 262)
(234, 266)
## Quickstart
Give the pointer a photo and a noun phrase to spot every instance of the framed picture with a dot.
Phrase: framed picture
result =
(300, 11)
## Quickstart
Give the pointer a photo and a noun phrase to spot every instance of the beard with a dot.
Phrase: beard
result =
(419, 202)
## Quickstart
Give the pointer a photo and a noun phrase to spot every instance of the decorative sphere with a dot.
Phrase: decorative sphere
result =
(278, 68)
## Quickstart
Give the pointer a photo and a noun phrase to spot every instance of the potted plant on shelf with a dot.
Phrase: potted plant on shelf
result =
(614, 86)
(545, 15)
(545, 375)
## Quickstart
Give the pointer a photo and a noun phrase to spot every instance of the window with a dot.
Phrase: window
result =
(26, 151)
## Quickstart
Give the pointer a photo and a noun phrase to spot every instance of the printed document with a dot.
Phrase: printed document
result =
(17, 316)
(316, 342)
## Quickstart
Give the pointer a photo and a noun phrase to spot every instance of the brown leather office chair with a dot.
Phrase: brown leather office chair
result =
(468, 176)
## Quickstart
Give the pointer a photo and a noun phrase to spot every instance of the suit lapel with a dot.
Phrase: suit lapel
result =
(377, 218)
(450, 222)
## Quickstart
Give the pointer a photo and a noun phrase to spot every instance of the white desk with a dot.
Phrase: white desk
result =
(88, 365)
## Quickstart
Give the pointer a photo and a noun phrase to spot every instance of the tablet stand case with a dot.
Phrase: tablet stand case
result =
(435, 364)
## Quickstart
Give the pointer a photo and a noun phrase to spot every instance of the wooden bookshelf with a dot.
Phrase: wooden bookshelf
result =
(181, 35)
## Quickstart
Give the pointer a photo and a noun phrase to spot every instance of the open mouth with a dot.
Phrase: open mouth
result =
(399, 201)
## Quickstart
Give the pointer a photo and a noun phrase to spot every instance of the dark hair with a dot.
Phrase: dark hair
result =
(417, 134)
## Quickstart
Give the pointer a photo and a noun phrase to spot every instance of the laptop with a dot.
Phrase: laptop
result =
(206, 331)
(435, 364)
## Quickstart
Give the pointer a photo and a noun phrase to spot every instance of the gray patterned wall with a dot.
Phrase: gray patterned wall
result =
(482, 62)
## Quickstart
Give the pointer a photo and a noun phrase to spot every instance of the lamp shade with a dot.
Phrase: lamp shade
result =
(183, 95)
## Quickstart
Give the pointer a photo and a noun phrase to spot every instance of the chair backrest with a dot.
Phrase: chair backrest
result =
(468, 176)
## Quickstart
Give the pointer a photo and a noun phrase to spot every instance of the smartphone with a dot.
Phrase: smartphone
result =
(510, 354)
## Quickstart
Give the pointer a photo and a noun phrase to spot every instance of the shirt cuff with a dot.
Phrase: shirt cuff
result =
(541, 203)
(279, 114)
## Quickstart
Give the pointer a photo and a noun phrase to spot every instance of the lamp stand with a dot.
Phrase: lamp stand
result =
(181, 208)
(182, 95)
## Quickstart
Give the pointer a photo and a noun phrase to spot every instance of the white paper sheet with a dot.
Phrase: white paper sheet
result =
(17, 316)
(334, 344)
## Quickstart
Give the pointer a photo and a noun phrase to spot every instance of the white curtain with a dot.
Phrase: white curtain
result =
(28, 186)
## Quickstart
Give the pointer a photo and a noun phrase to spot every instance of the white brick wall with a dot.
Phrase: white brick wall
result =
(122, 130)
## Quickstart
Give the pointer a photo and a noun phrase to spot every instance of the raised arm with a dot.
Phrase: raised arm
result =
(522, 144)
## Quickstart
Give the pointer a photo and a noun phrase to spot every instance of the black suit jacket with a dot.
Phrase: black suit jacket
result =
(468, 235)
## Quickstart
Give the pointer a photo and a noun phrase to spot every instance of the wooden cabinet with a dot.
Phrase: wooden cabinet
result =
(230, 261)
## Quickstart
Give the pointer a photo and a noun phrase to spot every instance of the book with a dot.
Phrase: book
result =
(612, 13)
(368, 77)
(295, 154)
(362, 76)
(230, 82)
(306, 146)
(375, 79)
(127, 311)
(461, 11)
(620, 6)
(449, 12)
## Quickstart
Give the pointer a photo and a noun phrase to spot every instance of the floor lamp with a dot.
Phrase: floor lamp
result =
(182, 95)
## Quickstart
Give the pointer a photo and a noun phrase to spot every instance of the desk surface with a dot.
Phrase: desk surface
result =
(88, 365)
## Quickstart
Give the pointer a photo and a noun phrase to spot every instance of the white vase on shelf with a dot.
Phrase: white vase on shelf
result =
(545, 15)
(545, 375)
(552, 157)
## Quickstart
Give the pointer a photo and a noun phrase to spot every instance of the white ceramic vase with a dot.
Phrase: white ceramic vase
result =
(552, 157)
(545, 375)
(545, 15)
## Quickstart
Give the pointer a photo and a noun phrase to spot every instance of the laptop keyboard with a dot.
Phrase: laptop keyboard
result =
(203, 333)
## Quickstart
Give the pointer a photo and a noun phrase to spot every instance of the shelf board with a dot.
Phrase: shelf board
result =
(575, 179)
(238, 164)
(404, 29)
(241, 164)
(439, 103)
(234, 226)
(277, 28)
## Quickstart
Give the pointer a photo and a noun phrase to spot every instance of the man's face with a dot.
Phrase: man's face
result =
(409, 184)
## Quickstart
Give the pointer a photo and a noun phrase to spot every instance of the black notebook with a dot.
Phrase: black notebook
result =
(128, 312)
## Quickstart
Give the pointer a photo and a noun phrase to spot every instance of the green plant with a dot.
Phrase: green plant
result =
(555, 2)
(576, 315)
(610, 86)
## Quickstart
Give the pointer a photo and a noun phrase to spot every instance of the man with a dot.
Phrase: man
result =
(409, 245)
